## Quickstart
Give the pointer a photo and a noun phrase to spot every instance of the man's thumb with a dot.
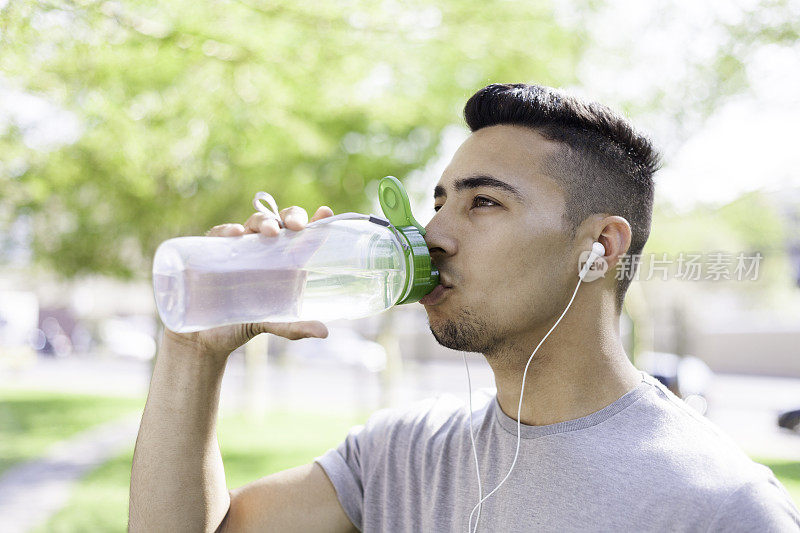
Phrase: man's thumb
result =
(292, 330)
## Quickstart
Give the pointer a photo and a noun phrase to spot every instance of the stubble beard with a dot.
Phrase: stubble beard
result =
(467, 333)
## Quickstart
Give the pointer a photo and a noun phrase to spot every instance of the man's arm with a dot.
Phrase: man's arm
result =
(177, 479)
(300, 499)
(761, 505)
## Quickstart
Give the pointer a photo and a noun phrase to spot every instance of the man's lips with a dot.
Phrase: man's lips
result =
(435, 296)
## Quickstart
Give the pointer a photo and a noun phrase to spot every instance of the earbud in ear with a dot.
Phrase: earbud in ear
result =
(598, 250)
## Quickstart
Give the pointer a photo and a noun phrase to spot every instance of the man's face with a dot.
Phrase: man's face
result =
(498, 240)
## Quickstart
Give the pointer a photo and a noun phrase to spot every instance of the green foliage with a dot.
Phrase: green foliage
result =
(749, 225)
(756, 221)
(187, 109)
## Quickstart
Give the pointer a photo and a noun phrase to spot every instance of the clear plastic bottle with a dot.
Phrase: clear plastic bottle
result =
(347, 266)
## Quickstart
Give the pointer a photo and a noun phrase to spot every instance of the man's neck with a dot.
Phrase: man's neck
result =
(579, 369)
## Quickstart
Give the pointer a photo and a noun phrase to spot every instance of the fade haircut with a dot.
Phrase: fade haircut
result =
(604, 165)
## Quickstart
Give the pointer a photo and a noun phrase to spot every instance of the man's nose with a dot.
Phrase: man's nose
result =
(440, 238)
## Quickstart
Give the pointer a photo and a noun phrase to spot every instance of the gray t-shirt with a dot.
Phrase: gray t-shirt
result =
(647, 462)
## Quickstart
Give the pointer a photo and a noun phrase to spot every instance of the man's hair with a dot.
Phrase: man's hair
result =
(604, 166)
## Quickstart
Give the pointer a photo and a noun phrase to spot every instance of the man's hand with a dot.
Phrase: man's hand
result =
(220, 342)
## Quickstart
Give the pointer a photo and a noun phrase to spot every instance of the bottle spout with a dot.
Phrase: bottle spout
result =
(423, 277)
(395, 204)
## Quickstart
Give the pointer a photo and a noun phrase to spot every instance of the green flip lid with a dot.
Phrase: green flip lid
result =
(424, 276)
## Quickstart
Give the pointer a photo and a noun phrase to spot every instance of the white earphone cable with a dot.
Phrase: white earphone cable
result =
(519, 408)
(474, 449)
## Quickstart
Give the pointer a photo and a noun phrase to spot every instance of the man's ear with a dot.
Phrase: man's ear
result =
(615, 236)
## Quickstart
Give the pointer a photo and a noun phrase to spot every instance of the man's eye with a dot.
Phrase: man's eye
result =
(480, 201)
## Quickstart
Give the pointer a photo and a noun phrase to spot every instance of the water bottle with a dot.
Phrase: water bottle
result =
(345, 266)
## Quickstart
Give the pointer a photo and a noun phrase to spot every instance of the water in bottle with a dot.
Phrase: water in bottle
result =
(348, 266)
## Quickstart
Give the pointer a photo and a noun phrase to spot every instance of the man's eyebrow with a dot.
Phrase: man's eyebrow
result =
(479, 181)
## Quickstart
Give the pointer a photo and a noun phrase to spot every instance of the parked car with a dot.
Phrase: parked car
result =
(790, 420)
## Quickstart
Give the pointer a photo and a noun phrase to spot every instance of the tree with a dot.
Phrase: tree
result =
(187, 109)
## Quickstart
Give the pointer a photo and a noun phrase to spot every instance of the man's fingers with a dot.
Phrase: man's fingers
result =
(226, 230)
(269, 226)
(295, 330)
(323, 212)
(294, 218)
(262, 223)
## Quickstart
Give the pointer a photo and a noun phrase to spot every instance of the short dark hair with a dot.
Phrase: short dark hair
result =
(605, 166)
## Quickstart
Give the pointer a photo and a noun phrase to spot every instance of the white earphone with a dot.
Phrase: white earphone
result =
(598, 250)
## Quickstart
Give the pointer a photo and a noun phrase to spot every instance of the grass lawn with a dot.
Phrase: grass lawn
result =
(100, 502)
(249, 451)
(31, 421)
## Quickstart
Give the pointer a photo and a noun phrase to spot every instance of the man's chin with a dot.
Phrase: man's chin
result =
(467, 333)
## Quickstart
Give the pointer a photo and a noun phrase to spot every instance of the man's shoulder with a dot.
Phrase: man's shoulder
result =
(423, 419)
(436, 410)
(758, 505)
(681, 446)
(665, 444)
(670, 428)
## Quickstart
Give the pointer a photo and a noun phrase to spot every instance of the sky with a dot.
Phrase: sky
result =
(746, 143)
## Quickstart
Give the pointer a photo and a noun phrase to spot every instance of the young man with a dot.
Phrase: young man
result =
(603, 446)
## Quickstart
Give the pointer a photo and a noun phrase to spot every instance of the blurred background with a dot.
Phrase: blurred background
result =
(123, 124)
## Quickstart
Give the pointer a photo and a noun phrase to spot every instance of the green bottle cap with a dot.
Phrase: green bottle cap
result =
(424, 277)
